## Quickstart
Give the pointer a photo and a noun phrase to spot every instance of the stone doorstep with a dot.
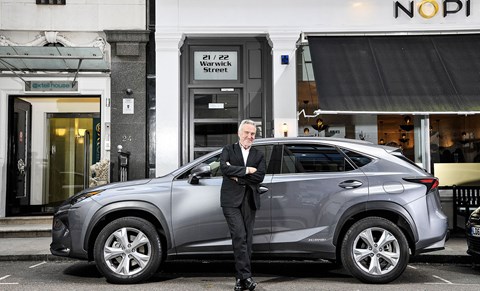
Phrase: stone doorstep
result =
(19, 232)
(25, 233)
(25, 220)
(25, 226)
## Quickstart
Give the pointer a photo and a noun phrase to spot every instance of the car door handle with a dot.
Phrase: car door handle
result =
(350, 184)
(262, 189)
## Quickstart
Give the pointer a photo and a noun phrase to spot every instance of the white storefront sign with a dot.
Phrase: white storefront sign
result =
(219, 65)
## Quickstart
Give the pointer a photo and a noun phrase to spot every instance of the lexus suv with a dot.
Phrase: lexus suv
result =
(362, 205)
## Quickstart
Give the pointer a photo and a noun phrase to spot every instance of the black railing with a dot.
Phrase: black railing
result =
(465, 200)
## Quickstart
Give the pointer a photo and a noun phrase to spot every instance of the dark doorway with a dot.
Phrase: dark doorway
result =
(19, 158)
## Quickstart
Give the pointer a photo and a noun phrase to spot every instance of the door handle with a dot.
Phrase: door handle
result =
(21, 166)
(262, 189)
(350, 184)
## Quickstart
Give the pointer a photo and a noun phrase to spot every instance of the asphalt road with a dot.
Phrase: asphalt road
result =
(79, 275)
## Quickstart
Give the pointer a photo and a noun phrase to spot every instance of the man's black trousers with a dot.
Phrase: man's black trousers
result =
(241, 221)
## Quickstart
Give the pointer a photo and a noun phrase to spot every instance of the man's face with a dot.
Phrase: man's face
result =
(246, 135)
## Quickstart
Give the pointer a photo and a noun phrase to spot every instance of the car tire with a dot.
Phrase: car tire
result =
(375, 250)
(128, 250)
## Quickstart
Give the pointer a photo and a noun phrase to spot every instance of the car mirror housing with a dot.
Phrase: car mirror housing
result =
(200, 171)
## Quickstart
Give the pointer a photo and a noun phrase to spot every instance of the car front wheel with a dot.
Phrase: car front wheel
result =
(375, 250)
(128, 250)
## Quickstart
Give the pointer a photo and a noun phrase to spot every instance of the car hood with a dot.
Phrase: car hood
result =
(121, 184)
(112, 186)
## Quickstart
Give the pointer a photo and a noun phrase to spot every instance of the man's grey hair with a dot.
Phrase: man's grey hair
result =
(246, 121)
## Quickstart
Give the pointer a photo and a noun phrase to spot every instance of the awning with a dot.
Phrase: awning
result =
(397, 74)
(65, 59)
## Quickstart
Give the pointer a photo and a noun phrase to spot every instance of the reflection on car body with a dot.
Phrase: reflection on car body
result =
(349, 201)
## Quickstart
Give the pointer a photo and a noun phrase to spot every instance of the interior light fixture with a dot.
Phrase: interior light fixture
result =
(60, 131)
(285, 129)
(81, 132)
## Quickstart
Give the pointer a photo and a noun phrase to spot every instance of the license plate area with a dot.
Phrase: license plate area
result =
(475, 231)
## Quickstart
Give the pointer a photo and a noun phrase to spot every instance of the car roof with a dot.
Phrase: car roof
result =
(315, 139)
(330, 140)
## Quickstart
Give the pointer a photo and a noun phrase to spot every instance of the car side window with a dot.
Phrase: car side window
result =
(267, 151)
(312, 158)
(214, 162)
(358, 159)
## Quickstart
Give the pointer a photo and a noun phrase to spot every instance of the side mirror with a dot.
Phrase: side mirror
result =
(262, 189)
(200, 171)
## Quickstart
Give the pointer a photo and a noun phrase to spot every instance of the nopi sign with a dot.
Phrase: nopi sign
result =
(430, 8)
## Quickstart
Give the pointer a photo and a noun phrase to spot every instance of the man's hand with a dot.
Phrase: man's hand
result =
(251, 170)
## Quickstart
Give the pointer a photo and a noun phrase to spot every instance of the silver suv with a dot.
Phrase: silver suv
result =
(348, 201)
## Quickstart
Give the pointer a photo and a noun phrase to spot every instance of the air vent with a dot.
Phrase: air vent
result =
(51, 2)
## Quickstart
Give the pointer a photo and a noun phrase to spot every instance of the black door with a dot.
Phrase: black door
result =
(214, 118)
(18, 185)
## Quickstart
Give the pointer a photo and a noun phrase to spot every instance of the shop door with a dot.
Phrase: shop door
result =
(215, 115)
(18, 188)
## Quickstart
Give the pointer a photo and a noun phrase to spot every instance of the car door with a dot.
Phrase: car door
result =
(199, 226)
(315, 185)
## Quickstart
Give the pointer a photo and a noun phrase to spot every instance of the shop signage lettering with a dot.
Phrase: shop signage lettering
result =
(429, 8)
(51, 86)
(215, 65)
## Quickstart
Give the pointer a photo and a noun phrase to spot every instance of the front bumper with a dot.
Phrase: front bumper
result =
(67, 239)
(61, 238)
(473, 242)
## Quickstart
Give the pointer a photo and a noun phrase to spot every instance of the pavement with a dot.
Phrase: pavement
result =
(38, 249)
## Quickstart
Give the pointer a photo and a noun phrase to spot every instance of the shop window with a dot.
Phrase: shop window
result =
(455, 138)
(455, 149)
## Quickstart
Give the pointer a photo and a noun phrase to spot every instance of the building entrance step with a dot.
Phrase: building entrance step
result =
(25, 226)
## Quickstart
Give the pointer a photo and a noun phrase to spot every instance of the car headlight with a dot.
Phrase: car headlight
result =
(83, 196)
(476, 213)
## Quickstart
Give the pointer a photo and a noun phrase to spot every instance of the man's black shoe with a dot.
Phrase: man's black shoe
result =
(249, 284)
(238, 285)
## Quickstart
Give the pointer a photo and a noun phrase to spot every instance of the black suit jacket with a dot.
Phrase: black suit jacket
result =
(232, 192)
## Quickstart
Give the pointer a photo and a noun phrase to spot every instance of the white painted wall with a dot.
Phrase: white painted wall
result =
(319, 16)
(76, 15)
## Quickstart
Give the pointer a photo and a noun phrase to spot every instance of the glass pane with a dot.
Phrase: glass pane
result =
(66, 150)
(358, 159)
(198, 154)
(216, 106)
(312, 158)
(215, 135)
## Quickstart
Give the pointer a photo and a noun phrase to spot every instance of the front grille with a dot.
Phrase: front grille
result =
(474, 244)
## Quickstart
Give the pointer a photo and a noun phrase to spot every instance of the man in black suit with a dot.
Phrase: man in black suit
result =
(243, 169)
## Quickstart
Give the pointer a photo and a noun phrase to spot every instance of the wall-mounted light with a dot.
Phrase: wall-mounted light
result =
(285, 129)
(60, 131)
(81, 132)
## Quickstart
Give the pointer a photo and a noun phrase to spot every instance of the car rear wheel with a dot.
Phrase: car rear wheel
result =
(128, 250)
(375, 250)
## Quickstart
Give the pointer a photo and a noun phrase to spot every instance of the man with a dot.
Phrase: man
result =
(243, 169)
